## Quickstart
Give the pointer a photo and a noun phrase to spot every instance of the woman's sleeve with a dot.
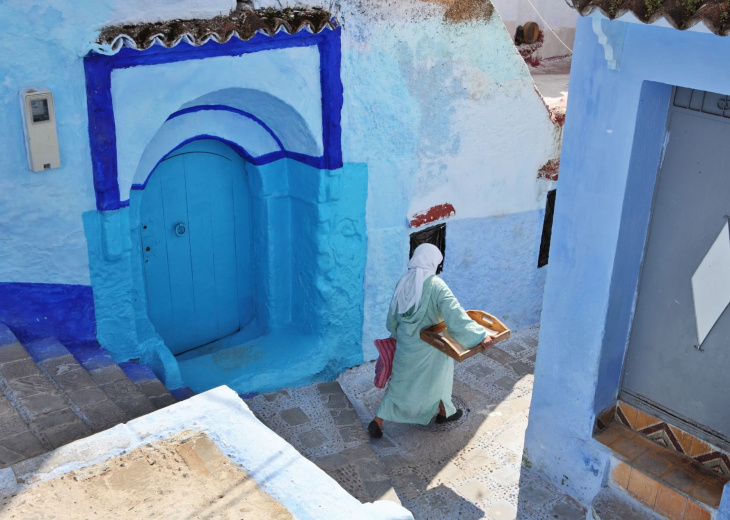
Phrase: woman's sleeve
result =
(392, 324)
(461, 327)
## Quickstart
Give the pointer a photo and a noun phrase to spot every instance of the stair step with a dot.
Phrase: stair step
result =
(147, 382)
(180, 394)
(17, 442)
(113, 381)
(46, 411)
(609, 504)
(661, 479)
(51, 395)
(94, 406)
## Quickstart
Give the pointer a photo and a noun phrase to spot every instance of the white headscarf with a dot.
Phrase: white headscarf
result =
(426, 259)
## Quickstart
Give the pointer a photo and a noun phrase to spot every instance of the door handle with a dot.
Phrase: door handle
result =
(180, 229)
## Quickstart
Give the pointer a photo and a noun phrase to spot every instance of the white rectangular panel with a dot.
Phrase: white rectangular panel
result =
(711, 284)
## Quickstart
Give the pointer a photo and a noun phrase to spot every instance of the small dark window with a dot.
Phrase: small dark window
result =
(435, 235)
(547, 229)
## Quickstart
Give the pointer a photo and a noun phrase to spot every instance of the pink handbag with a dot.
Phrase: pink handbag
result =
(384, 365)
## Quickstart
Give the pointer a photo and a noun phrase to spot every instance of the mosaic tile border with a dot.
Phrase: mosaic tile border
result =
(666, 435)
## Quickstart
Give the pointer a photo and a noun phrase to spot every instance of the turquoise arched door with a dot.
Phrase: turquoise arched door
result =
(195, 227)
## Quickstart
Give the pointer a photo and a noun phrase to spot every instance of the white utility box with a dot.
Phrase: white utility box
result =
(39, 127)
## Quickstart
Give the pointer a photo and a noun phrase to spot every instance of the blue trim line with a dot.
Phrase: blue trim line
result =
(225, 108)
(316, 162)
(330, 55)
(102, 130)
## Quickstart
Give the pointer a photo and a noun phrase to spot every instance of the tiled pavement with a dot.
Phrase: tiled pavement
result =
(469, 470)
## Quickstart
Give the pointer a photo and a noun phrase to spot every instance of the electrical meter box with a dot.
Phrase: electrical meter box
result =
(39, 127)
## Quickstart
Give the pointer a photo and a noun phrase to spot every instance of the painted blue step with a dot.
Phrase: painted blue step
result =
(92, 404)
(53, 395)
(112, 379)
(46, 410)
(180, 394)
(137, 372)
(146, 380)
(17, 441)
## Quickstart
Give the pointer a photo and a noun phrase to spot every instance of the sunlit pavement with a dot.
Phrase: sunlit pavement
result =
(468, 469)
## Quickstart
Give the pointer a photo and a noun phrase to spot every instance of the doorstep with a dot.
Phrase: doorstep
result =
(670, 483)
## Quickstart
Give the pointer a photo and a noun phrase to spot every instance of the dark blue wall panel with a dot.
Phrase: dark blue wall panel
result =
(37, 310)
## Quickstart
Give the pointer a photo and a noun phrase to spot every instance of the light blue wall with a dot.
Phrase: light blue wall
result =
(448, 113)
(42, 46)
(439, 112)
(491, 263)
(608, 167)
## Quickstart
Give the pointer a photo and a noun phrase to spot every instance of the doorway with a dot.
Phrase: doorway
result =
(195, 224)
(672, 367)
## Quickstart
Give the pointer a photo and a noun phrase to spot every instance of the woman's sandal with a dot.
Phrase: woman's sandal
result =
(441, 419)
(374, 430)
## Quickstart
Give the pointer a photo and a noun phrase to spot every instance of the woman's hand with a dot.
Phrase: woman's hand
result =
(487, 342)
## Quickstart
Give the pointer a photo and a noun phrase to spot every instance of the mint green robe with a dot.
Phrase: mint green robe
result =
(422, 375)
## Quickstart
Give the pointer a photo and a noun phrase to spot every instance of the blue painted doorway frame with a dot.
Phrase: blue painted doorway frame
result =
(102, 133)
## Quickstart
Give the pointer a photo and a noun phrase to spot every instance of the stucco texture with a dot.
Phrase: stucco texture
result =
(42, 46)
(608, 164)
(437, 104)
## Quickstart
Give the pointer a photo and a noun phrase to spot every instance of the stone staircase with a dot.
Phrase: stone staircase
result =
(51, 395)
(650, 481)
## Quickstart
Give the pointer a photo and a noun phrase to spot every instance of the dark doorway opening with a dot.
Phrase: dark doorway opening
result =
(547, 230)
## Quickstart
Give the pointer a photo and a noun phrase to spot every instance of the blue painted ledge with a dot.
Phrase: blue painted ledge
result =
(6, 336)
(136, 371)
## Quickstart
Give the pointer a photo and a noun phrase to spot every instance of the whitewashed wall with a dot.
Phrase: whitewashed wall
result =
(439, 110)
(557, 13)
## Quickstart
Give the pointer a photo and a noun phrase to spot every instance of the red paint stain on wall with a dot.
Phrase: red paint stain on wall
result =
(550, 170)
(432, 215)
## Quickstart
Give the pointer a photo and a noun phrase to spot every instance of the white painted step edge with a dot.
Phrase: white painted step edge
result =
(304, 489)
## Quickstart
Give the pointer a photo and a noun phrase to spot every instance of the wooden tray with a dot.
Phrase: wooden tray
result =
(437, 336)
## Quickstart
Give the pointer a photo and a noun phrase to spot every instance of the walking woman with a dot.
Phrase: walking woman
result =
(422, 377)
